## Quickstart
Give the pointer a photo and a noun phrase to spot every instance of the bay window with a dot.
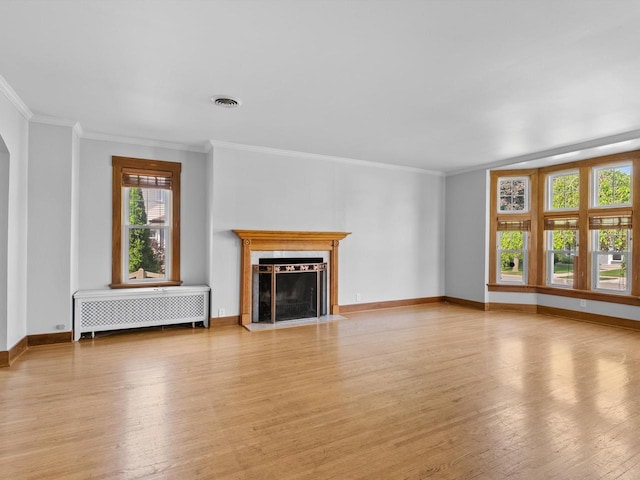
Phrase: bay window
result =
(568, 229)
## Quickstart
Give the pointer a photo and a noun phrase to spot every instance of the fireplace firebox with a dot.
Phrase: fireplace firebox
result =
(288, 289)
(273, 240)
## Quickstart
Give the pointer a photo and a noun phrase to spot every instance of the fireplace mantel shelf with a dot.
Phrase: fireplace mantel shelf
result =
(275, 240)
(288, 235)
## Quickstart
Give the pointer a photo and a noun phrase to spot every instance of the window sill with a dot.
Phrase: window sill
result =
(170, 283)
(566, 292)
(506, 287)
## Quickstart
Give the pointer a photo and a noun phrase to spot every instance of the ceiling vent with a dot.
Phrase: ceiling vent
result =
(226, 101)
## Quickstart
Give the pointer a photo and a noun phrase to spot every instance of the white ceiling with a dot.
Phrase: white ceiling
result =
(440, 85)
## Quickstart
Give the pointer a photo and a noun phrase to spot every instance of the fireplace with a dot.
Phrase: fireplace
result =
(297, 244)
(289, 289)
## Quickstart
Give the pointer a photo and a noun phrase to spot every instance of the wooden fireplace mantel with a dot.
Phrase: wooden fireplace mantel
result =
(273, 240)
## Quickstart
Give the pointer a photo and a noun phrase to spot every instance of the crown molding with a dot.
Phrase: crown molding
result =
(587, 149)
(59, 122)
(144, 142)
(47, 120)
(79, 131)
(316, 156)
(13, 97)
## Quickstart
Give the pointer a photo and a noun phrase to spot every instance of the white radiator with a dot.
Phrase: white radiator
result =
(100, 310)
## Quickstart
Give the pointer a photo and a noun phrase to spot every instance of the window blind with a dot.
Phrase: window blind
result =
(146, 181)
(514, 225)
(610, 222)
(552, 223)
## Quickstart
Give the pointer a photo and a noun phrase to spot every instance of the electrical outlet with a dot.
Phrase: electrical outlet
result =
(583, 303)
(358, 297)
(221, 312)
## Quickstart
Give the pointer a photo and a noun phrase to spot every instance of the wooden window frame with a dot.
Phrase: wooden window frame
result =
(540, 213)
(527, 218)
(127, 165)
(595, 272)
(594, 183)
(499, 251)
(546, 202)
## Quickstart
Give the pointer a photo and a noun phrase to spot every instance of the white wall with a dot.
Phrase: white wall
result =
(209, 221)
(396, 247)
(74, 246)
(607, 309)
(4, 233)
(466, 236)
(513, 297)
(629, 312)
(95, 209)
(50, 234)
(14, 130)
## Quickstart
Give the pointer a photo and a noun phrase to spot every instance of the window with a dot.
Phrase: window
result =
(563, 191)
(561, 233)
(512, 255)
(611, 240)
(567, 229)
(612, 186)
(511, 233)
(514, 194)
(146, 223)
(562, 246)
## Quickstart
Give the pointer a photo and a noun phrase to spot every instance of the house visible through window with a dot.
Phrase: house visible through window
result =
(146, 222)
(561, 251)
(611, 260)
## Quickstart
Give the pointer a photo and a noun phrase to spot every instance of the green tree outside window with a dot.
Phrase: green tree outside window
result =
(141, 254)
(512, 251)
(614, 186)
(565, 191)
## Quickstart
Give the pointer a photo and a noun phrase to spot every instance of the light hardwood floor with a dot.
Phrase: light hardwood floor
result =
(436, 391)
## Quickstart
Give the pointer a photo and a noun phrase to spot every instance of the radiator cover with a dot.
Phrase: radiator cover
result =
(100, 310)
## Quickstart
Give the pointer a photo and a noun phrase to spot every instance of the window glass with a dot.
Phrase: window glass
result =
(512, 257)
(564, 191)
(146, 232)
(611, 259)
(612, 185)
(513, 194)
(561, 251)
